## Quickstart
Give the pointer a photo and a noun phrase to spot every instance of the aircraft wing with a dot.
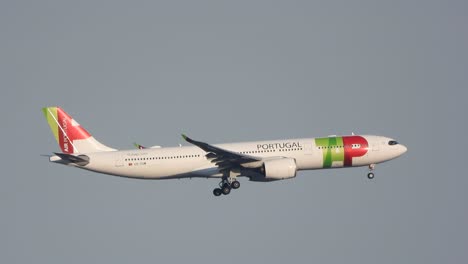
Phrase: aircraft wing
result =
(224, 159)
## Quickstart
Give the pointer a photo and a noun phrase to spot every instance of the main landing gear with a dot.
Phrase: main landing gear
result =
(371, 175)
(225, 186)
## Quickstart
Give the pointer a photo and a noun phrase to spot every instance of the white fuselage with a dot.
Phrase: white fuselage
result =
(191, 161)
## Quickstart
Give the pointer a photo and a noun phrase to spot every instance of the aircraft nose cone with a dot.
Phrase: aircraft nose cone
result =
(403, 149)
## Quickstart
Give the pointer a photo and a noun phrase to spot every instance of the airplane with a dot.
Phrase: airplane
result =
(259, 161)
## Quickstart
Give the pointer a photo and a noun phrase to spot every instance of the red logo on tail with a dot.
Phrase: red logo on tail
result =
(68, 132)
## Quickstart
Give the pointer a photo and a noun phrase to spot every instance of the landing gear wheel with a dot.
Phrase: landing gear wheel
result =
(370, 175)
(235, 185)
(226, 189)
(217, 192)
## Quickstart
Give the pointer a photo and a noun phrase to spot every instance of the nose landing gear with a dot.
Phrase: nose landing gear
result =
(371, 175)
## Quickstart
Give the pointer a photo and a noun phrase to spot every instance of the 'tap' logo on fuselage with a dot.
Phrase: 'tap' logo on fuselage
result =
(341, 149)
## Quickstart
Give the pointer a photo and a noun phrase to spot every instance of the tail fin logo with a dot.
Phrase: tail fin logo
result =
(65, 129)
(69, 131)
(64, 137)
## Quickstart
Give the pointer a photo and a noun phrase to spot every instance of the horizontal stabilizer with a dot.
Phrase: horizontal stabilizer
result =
(80, 160)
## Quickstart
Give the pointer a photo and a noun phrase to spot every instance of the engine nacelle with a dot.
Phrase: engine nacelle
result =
(279, 169)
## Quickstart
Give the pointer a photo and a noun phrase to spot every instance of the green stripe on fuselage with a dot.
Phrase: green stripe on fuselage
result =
(332, 150)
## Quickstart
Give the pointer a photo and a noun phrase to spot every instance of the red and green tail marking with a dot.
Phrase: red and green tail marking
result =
(64, 128)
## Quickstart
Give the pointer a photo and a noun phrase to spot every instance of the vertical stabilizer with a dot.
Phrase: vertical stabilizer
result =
(71, 137)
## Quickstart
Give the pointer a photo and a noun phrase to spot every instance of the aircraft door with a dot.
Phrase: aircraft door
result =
(375, 146)
(119, 161)
(308, 149)
(312, 158)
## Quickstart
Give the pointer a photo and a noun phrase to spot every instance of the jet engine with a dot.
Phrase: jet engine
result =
(279, 169)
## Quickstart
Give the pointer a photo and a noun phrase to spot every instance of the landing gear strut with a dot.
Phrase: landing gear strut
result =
(226, 185)
(371, 175)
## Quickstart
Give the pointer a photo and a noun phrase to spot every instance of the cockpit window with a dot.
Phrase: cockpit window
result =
(392, 142)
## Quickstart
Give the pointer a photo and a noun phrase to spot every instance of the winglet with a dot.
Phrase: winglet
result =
(138, 146)
(191, 141)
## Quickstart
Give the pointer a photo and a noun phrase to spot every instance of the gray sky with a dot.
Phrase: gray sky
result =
(224, 71)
